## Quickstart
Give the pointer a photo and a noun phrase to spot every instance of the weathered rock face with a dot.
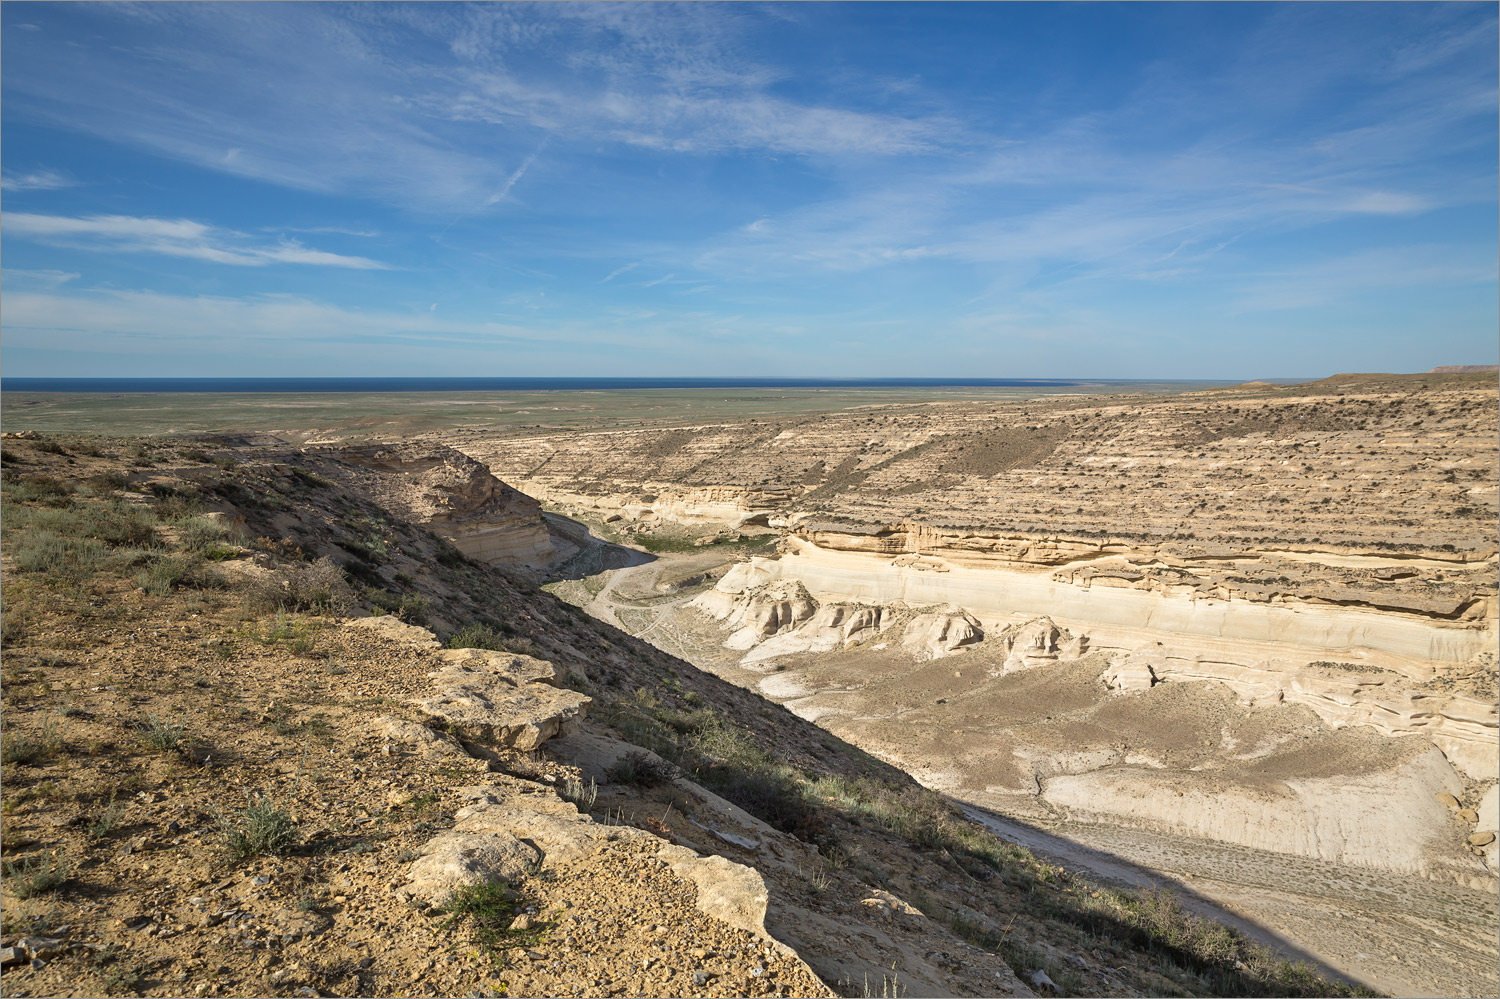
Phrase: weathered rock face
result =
(1388, 820)
(501, 698)
(457, 497)
(1487, 829)
(1129, 673)
(779, 607)
(428, 743)
(1039, 642)
(941, 632)
(759, 612)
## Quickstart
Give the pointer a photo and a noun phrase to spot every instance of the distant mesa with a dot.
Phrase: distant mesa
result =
(1463, 369)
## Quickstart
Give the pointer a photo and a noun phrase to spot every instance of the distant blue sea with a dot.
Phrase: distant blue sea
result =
(154, 385)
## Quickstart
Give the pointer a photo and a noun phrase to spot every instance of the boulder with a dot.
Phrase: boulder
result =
(454, 859)
(501, 698)
(1127, 674)
(428, 743)
(397, 630)
(499, 834)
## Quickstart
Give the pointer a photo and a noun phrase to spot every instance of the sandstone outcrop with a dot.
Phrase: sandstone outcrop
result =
(1129, 673)
(941, 632)
(456, 497)
(500, 698)
(428, 743)
(1387, 820)
(1039, 642)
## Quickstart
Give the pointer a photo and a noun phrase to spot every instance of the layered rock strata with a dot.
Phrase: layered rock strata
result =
(454, 495)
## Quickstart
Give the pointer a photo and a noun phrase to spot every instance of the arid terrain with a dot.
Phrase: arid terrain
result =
(1225, 635)
(1111, 695)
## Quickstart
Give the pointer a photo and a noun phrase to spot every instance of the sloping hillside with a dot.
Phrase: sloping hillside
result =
(220, 778)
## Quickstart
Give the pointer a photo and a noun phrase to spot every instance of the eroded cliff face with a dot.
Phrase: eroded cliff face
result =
(1324, 552)
(454, 495)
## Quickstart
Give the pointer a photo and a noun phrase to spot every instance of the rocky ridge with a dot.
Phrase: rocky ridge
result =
(382, 750)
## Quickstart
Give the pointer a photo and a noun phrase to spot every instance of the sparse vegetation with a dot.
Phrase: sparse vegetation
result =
(262, 827)
(31, 747)
(107, 820)
(581, 794)
(643, 770)
(160, 734)
(37, 875)
(488, 911)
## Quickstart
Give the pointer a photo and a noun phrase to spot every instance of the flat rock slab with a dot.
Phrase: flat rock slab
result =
(499, 834)
(459, 858)
(392, 627)
(500, 698)
(428, 743)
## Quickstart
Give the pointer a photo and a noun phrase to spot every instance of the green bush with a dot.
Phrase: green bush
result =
(318, 586)
(37, 875)
(164, 573)
(476, 636)
(642, 770)
(199, 534)
(159, 734)
(260, 828)
(490, 910)
(58, 559)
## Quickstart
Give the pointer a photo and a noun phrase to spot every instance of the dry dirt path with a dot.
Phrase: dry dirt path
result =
(1402, 935)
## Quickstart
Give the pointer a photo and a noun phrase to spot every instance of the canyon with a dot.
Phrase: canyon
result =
(1259, 620)
(1237, 645)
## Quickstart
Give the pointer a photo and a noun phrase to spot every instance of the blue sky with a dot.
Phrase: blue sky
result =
(846, 190)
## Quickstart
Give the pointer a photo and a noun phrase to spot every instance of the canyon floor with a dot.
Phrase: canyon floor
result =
(934, 695)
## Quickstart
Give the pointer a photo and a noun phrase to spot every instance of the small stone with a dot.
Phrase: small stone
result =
(1040, 979)
(1445, 798)
(1481, 838)
(260, 880)
(699, 953)
(36, 947)
(10, 956)
(758, 971)
(700, 978)
(1468, 815)
(522, 922)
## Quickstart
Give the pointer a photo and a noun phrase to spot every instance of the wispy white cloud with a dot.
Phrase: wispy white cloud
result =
(173, 238)
(515, 176)
(18, 277)
(325, 230)
(152, 324)
(656, 281)
(337, 99)
(1364, 273)
(620, 270)
(37, 180)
